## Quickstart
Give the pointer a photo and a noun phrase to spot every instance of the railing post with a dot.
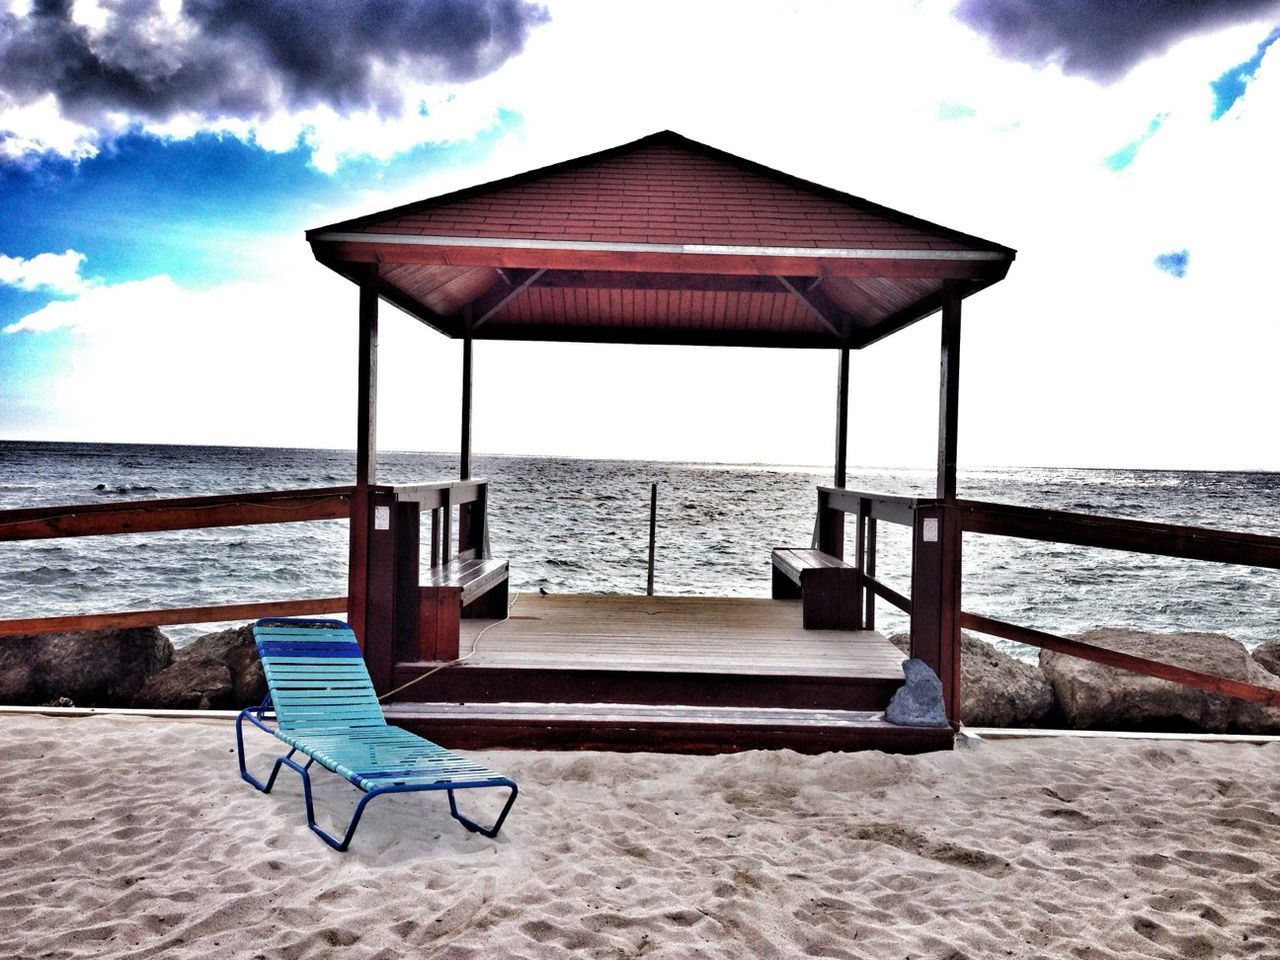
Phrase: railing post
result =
(379, 613)
(408, 549)
(829, 536)
(935, 597)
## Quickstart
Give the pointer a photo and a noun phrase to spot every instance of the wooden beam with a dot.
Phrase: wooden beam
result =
(182, 513)
(949, 395)
(624, 280)
(464, 454)
(1207, 682)
(836, 322)
(367, 385)
(492, 303)
(167, 618)
(1118, 533)
(332, 252)
(842, 418)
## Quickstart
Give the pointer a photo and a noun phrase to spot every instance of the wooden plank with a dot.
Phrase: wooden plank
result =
(842, 417)
(172, 617)
(882, 506)
(182, 513)
(367, 384)
(408, 548)
(949, 393)
(1115, 533)
(881, 589)
(464, 446)
(380, 588)
(1122, 661)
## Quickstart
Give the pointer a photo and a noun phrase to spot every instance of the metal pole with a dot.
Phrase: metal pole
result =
(653, 532)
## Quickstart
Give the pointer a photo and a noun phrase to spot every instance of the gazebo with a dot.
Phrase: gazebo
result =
(662, 240)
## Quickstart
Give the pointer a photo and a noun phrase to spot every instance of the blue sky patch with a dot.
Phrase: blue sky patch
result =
(1174, 262)
(1230, 87)
(1125, 155)
(951, 110)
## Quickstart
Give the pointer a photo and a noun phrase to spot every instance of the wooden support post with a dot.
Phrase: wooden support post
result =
(829, 535)
(366, 455)
(380, 588)
(465, 446)
(935, 598)
(949, 394)
(842, 419)
(408, 546)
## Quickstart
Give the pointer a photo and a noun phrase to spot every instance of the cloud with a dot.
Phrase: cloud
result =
(1099, 39)
(1174, 262)
(1126, 154)
(1229, 87)
(112, 64)
(56, 273)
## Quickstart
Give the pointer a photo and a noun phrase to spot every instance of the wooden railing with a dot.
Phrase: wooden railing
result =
(934, 606)
(187, 513)
(384, 574)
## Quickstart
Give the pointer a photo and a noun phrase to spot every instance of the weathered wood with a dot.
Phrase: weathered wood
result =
(881, 589)
(680, 729)
(830, 592)
(431, 496)
(1122, 661)
(172, 617)
(408, 547)
(367, 385)
(380, 595)
(464, 457)
(949, 394)
(842, 418)
(873, 586)
(1115, 533)
(184, 513)
(882, 506)
(653, 534)
(440, 609)
(830, 525)
(926, 589)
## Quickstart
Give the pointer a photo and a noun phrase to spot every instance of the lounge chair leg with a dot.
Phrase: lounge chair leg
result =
(475, 827)
(244, 771)
(339, 845)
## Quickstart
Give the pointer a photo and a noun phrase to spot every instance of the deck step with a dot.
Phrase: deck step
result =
(666, 729)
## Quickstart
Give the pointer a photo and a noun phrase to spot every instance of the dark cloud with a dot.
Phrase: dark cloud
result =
(246, 58)
(1101, 39)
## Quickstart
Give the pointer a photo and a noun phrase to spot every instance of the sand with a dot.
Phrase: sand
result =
(127, 837)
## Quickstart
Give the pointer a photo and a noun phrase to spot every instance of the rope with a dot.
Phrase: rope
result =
(453, 663)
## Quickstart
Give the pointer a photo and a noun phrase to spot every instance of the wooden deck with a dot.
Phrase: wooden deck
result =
(673, 673)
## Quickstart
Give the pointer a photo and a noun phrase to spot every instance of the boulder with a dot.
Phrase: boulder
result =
(1267, 656)
(91, 668)
(996, 690)
(1091, 695)
(219, 671)
(918, 702)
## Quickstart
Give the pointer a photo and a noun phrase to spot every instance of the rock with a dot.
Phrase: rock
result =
(219, 671)
(1092, 695)
(918, 702)
(92, 668)
(996, 690)
(1267, 656)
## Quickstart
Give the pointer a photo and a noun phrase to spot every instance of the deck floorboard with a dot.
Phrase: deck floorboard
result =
(705, 635)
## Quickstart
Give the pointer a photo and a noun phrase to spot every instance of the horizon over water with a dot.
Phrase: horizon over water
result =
(580, 525)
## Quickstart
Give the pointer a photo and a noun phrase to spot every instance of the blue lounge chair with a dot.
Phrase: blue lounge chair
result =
(325, 708)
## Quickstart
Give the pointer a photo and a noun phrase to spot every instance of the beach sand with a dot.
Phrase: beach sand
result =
(127, 837)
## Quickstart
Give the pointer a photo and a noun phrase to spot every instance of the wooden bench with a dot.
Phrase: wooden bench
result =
(826, 586)
(461, 588)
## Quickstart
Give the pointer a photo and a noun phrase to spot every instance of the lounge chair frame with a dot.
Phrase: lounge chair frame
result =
(362, 694)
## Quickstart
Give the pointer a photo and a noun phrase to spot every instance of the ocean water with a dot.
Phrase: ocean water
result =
(578, 526)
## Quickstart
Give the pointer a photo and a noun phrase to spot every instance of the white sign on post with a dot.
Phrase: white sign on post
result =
(929, 530)
(382, 518)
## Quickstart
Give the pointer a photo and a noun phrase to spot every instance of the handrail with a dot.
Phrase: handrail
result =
(181, 513)
(172, 617)
(1124, 661)
(877, 506)
(1115, 533)
(903, 603)
(432, 496)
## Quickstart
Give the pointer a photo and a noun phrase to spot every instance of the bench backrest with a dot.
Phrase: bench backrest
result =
(316, 675)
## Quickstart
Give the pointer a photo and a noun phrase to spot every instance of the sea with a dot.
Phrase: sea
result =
(570, 525)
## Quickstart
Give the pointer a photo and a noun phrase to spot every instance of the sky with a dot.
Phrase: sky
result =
(160, 161)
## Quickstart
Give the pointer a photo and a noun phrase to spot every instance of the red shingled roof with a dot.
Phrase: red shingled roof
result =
(611, 228)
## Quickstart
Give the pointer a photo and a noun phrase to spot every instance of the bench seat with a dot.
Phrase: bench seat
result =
(826, 586)
(459, 589)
